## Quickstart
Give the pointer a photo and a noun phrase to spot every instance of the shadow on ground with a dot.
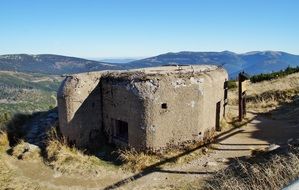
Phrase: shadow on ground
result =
(270, 130)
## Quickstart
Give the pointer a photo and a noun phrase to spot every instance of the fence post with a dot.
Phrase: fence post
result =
(242, 95)
(240, 98)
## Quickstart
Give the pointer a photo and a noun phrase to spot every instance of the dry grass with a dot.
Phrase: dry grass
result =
(268, 95)
(272, 99)
(262, 172)
(4, 143)
(70, 160)
(137, 160)
(9, 179)
(26, 151)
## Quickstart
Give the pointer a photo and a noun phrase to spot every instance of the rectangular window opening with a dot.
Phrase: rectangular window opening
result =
(121, 130)
(164, 106)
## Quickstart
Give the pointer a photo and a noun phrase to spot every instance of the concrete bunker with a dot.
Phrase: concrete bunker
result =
(147, 109)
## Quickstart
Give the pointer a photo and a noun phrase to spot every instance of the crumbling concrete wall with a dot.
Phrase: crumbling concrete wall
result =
(79, 107)
(122, 102)
(189, 112)
(174, 111)
(146, 108)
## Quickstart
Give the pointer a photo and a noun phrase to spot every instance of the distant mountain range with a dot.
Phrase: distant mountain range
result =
(251, 62)
(51, 64)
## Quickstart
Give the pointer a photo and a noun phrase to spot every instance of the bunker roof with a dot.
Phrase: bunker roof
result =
(163, 71)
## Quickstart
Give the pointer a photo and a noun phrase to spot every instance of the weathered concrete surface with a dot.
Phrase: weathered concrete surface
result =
(79, 107)
(149, 108)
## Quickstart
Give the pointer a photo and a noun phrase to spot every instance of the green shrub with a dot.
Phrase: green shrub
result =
(274, 75)
(231, 84)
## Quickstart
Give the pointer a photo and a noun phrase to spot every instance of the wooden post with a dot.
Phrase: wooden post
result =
(244, 104)
(240, 97)
(225, 101)
(242, 94)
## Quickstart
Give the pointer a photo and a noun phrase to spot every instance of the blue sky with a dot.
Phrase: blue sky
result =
(140, 28)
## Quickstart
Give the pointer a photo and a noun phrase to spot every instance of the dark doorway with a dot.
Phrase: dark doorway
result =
(121, 130)
(218, 110)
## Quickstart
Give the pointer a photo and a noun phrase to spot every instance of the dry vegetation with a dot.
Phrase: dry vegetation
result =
(70, 160)
(135, 161)
(63, 158)
(262, 172)
(9, 179)
(26, 151)
(267, 95)
(4, 143)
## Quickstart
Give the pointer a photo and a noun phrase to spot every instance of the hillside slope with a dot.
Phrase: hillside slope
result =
(51, 64)
(23, 92)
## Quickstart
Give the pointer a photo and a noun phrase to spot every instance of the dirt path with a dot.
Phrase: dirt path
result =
(39, 173)
(258, 133)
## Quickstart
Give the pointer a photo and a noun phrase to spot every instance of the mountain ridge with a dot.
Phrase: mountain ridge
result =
(254, 62)
(51, 64)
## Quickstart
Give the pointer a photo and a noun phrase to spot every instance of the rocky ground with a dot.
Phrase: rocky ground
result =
(40, 126)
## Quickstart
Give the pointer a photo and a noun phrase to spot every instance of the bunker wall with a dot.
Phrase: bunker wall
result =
(123, 112)
(174, 111)
(79, 103)
(145, 112)
(213, 99)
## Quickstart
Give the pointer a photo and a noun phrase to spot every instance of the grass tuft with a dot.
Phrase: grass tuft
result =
(262, 172)
(4, 143)
(137, 161)
(61, 157)
(26, 151)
